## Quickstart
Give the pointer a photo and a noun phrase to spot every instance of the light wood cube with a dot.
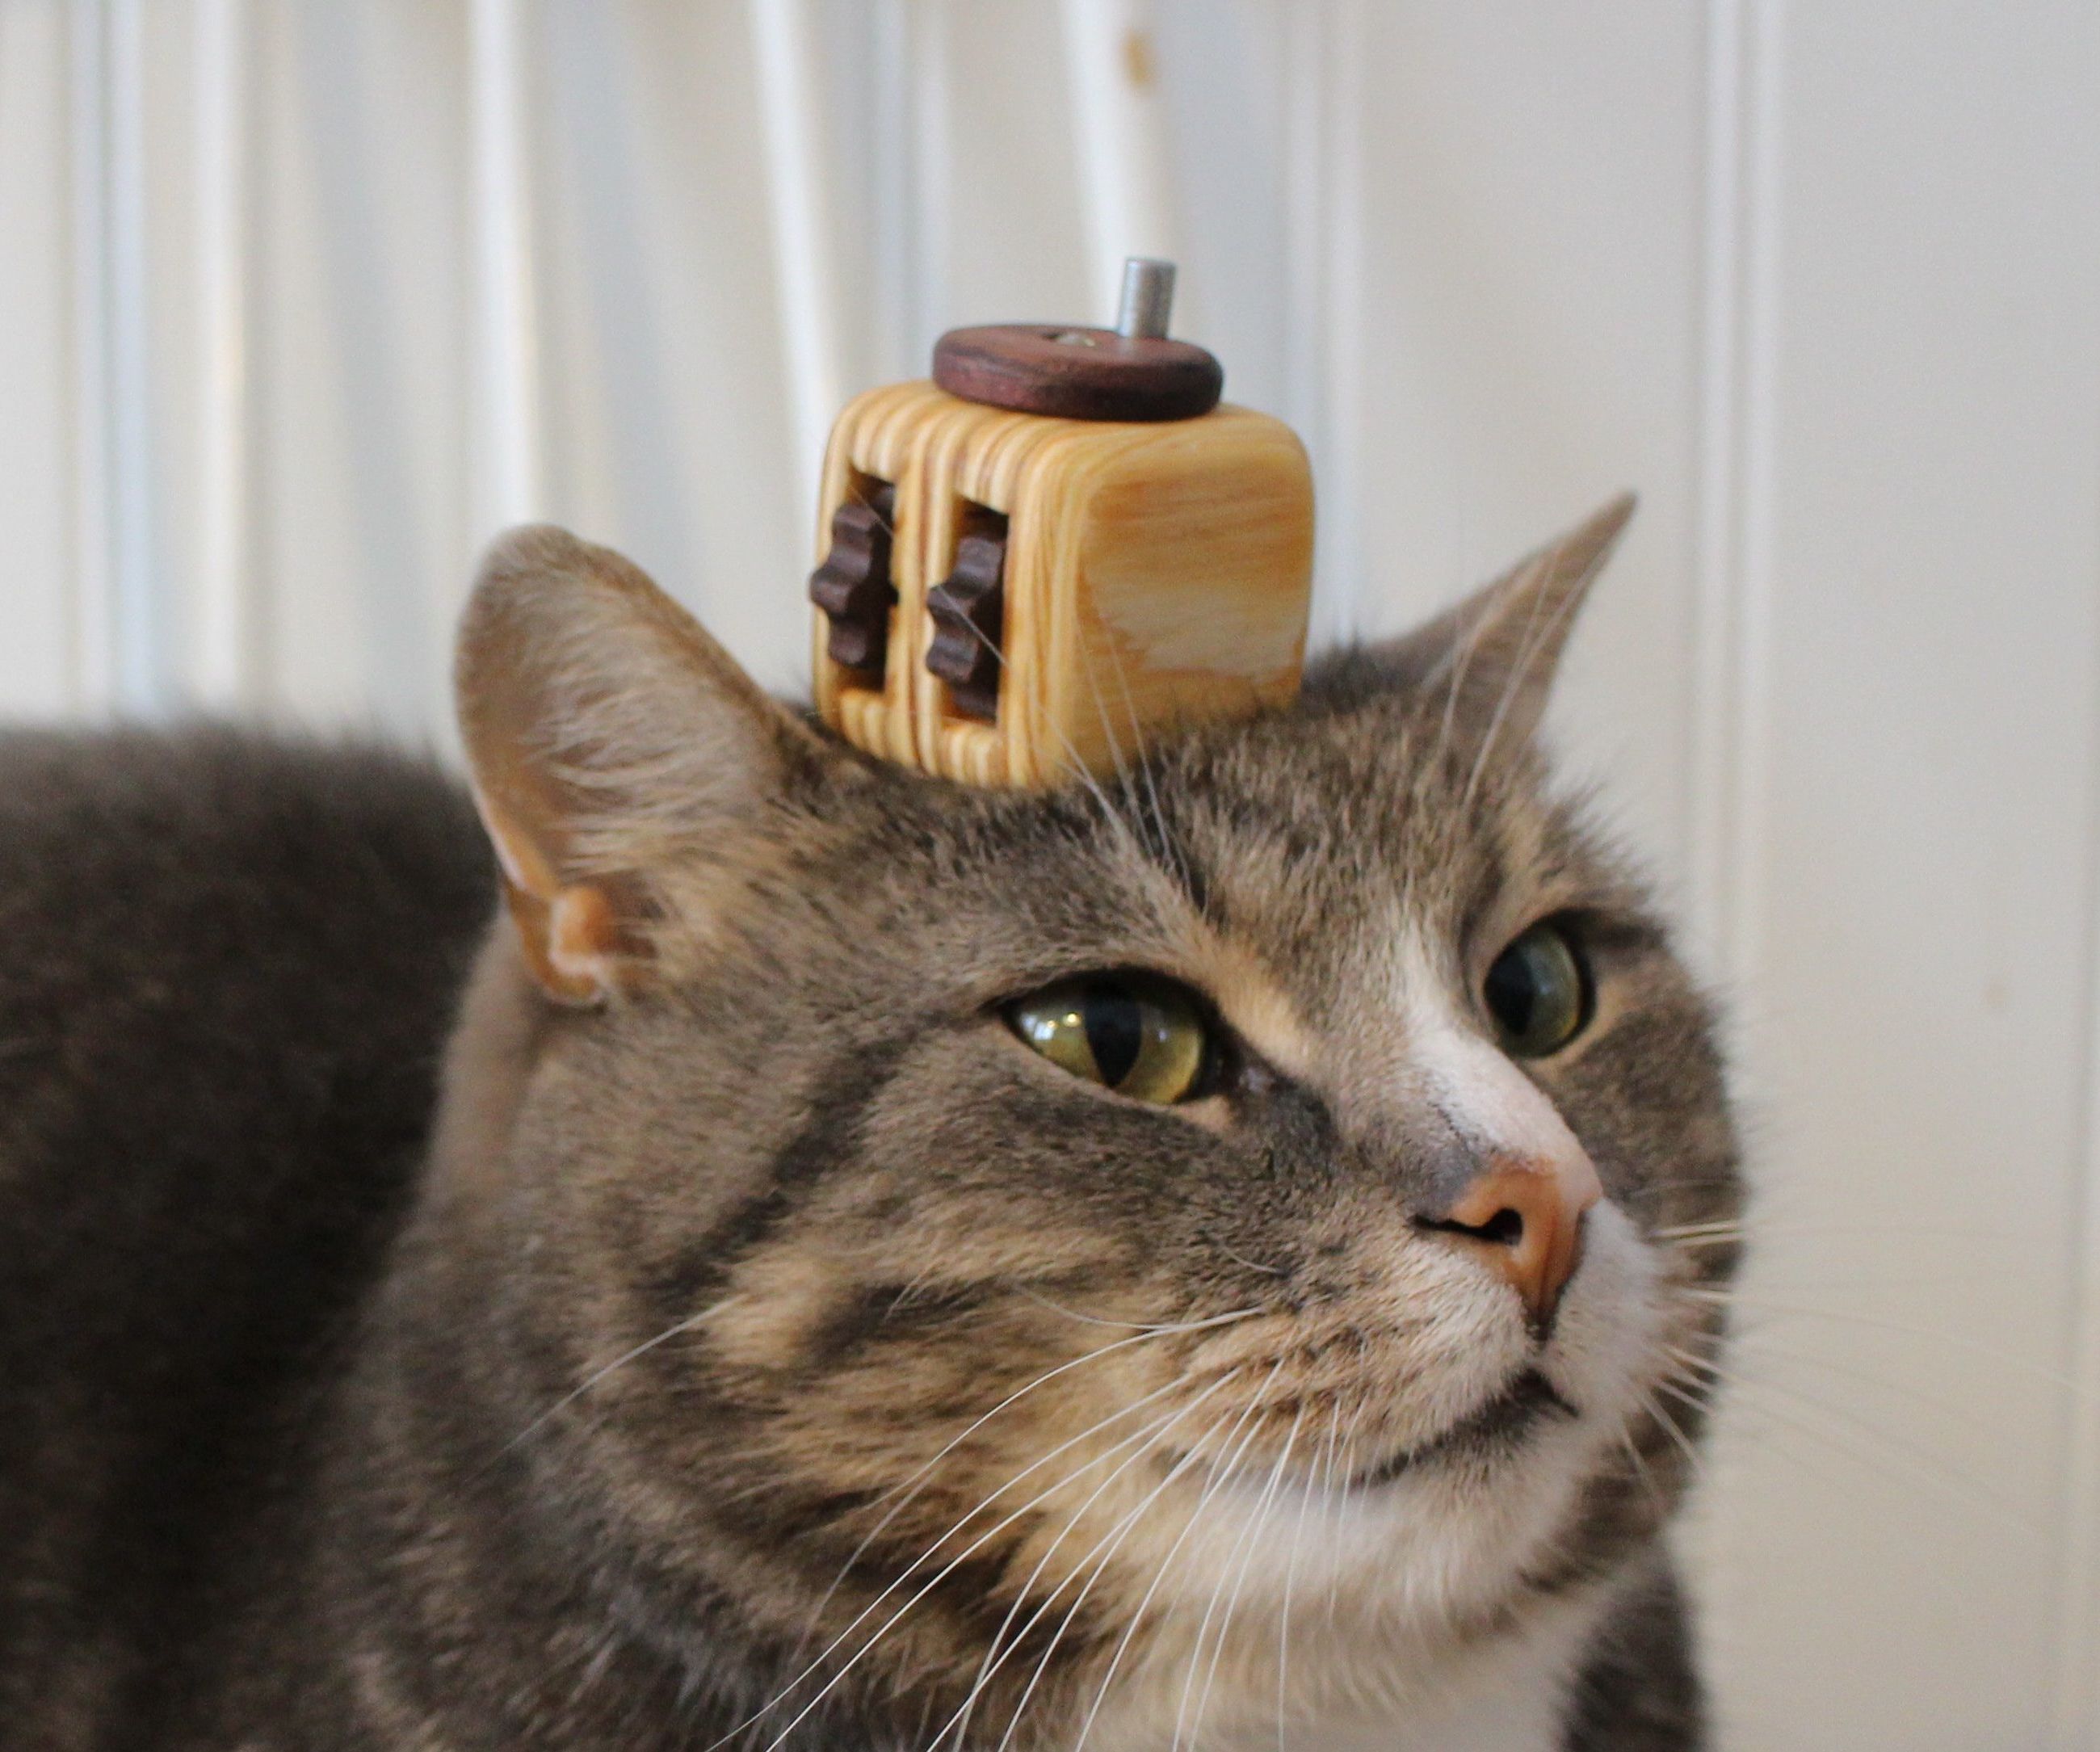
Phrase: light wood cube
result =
(1153, 574)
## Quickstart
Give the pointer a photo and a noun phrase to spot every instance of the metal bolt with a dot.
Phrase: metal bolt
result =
(1148, 298)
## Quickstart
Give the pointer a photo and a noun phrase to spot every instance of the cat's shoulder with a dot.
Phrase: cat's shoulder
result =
(228, 965)
(206, 807)
(227, 961)
(204, 931)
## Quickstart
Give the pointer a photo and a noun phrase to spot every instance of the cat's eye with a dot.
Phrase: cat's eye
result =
(1140, 1036)
(1538, 991)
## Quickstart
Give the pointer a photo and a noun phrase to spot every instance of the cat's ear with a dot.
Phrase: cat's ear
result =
(622, 762)
(1488, 663)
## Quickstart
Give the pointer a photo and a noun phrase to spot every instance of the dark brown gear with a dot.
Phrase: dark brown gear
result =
(853, 586)
(968, 610)
(1078, 373)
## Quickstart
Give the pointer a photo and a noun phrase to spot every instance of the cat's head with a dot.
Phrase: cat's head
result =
(957, 1244)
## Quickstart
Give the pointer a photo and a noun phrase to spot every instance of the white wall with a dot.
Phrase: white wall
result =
(1823, 280)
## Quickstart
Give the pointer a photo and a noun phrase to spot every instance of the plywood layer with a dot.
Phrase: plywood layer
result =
(1155, 574)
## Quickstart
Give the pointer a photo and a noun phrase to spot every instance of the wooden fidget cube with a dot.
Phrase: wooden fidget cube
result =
(1007, 596)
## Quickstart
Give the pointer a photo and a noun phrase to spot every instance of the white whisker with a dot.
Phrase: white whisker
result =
(910, 1486)
(1868, 1444)
(1959, 1341)
(994, 1657)
(897, 1616)
(671, 1331)
(1113, 1541)
(1243, 1551)
(1290, 1580)
(1220, 1472)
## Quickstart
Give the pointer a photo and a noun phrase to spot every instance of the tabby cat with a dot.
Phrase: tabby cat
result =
(844, 1260)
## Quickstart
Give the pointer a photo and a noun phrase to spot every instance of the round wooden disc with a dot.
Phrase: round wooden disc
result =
(1078, 373)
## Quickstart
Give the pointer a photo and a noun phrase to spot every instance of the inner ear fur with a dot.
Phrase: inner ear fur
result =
(1488, 664)
(626, 769)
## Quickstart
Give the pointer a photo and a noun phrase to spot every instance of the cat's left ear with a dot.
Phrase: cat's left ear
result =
(1489, 662)
(629, 773)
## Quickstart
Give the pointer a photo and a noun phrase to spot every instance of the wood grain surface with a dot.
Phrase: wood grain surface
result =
(1156, 573)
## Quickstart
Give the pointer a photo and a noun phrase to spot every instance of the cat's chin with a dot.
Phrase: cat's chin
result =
(1496, 1429)
(1441, 1531)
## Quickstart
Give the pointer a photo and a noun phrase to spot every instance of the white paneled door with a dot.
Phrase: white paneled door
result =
(300, 301)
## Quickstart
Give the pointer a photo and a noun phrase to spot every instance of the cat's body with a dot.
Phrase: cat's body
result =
(229, 972)
(570, 1426)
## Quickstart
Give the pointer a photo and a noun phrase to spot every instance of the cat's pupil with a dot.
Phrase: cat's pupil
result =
(1537, 992)
(1115, 1031)
(1513, 994)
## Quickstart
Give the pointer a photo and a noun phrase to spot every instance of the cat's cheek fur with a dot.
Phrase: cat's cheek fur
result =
(1420, 1565)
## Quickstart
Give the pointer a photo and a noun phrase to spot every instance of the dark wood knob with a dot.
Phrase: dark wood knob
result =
(853, 586)
(969, 614)
(1078, 373)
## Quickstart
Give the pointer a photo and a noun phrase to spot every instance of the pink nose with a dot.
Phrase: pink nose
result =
(1524, 1219)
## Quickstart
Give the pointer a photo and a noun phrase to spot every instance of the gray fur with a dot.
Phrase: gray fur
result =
(561, 1430)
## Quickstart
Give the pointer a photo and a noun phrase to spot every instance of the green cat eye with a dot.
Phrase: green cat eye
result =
(1538, 992)
(1143, 1038)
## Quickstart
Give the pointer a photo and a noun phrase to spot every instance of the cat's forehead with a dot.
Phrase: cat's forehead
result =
(1365, 798)
(1324, 837)
(1319, 842)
